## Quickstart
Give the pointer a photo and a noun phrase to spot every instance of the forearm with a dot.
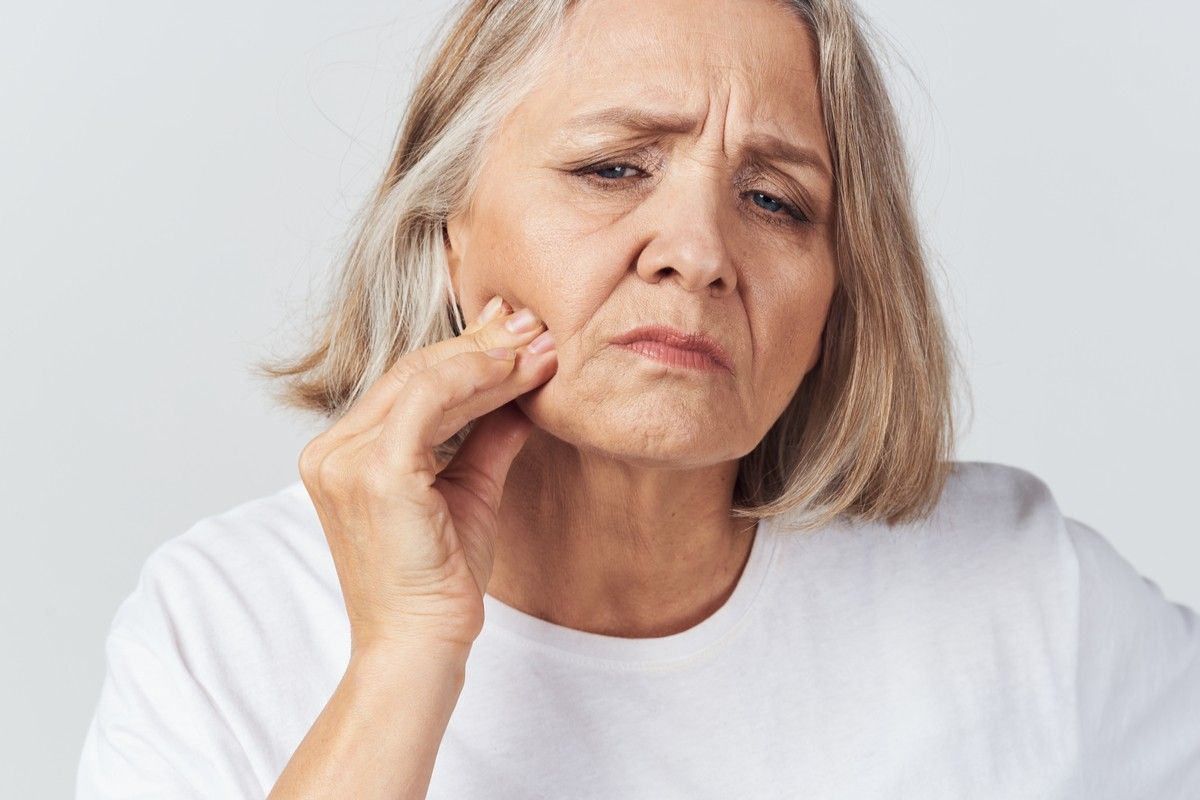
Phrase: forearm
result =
(380, 731)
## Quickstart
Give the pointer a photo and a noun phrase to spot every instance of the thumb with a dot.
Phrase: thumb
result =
(482, 461)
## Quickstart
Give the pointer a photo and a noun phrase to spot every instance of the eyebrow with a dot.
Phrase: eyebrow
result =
(646, 121)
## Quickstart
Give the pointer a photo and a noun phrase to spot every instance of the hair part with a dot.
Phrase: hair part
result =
(870, 432)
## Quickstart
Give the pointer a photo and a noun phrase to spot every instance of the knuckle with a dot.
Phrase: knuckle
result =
(332, 473)
(401, 372)
(477, 360)
(483, 339)
(423, 386)
(470, 372)
(489, 337)
(311, 457)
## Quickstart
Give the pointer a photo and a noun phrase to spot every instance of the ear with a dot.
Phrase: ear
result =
(454, 237)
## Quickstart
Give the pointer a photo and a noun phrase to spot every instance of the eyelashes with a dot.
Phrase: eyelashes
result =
(791, 216)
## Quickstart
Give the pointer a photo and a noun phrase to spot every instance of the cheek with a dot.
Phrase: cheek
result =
(788, 311)
(538, 250)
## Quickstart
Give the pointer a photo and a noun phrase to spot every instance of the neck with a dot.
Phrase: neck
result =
(602, 545)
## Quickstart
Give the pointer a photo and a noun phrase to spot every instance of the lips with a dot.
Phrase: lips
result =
(672, 337)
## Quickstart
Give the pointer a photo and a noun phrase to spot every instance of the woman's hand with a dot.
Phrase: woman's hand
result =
(413, 547)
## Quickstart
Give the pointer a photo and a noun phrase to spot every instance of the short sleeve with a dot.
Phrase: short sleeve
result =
(1138, 679)
(155, 731)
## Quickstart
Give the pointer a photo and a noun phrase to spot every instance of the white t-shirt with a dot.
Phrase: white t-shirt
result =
(997, 649)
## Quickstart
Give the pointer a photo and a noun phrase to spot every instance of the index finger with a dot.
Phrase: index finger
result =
(482, 334)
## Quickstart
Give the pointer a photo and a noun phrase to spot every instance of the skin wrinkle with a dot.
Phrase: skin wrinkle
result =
(615, 516)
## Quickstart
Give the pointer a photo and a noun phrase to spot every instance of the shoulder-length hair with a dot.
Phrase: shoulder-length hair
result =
(870, 431)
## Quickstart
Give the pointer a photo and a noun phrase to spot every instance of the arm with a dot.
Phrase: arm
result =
(1138, 679)
(379, 734)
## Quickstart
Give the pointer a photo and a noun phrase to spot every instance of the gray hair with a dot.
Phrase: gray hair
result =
(869, 433)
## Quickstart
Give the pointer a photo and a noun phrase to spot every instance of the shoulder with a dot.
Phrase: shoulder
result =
(994, 547)
(1002, 508)
(254, 569)
(1033, 605)
(979, 499)
(996, 521)
(275, 537)
(996, 498)
(273, 524)
(989, 517)
(220, 656)
(990, 570)
(281, 521)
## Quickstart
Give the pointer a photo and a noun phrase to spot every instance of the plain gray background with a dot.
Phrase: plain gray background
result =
(178, 177)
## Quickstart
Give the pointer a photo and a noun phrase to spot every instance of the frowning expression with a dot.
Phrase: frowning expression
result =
(670, 168)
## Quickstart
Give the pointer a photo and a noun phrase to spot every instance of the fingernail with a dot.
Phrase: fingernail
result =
(502, 353)
(522, 321)
(490, 310)
(542, 343)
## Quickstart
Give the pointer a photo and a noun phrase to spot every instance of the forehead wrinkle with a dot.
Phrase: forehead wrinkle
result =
(643, 121)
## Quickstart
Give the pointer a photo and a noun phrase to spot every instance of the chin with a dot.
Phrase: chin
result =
(633, 429)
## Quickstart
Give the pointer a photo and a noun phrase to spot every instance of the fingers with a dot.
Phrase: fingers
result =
(431, 402)
(373, 406)
(495, 307)
(482, 462)
(530, 371)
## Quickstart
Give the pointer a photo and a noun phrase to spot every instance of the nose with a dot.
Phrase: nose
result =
(688, 244)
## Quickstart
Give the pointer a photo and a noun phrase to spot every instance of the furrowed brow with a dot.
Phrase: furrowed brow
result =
(764, 145)
(634, 119)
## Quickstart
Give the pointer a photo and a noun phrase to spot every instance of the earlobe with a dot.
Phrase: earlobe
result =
(453, 240)
(452, 269)
(451, 257)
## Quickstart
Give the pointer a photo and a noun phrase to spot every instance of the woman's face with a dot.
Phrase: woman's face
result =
(708, 227)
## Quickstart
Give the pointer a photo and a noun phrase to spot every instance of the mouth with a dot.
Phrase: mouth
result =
(675, 348)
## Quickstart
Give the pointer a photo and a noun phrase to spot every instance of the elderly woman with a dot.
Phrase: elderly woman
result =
(674, 515)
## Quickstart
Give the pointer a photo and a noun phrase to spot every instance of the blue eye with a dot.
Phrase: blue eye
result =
(608, 167)
(771, 200)
(797, 217)
(791, 216)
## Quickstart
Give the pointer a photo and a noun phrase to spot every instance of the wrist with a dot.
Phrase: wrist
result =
(407, 656)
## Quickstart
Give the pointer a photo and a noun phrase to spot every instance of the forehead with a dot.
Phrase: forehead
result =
(683, 56)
